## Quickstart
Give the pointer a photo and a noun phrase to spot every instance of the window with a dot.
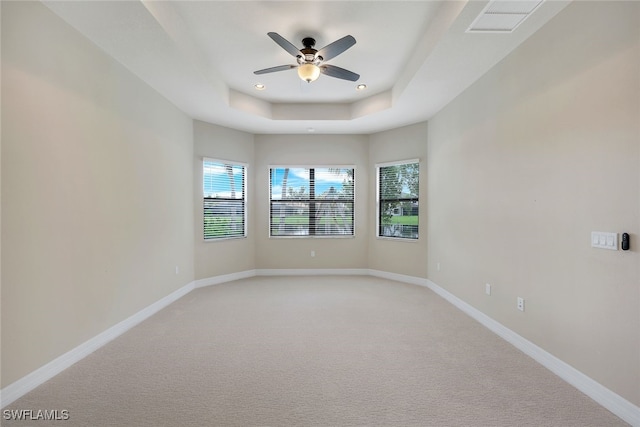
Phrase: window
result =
(311, 201)
(397, 199)
(224, 186)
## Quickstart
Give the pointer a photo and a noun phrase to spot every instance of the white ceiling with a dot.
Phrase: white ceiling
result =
(414, 56)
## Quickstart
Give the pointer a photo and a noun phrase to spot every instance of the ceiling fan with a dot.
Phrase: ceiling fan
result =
(311, 61)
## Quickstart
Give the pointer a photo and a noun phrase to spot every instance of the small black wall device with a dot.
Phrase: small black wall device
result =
(625, 241)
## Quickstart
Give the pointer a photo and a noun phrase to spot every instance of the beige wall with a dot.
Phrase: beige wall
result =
(400, 256)
(214, 258)
(96, 187)
(311, 150)
(523, 166)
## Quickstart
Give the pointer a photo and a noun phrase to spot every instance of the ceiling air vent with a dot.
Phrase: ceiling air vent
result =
(503, 16)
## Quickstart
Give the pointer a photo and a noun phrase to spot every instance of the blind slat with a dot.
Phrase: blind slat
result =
(312, 201)
(398, 201)
(224, 200)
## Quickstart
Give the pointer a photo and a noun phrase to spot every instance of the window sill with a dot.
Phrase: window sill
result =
(398, 239)
(223, 239)
(313, 237)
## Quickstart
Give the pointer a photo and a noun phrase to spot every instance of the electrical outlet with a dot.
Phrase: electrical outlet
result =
(520, 304)
(487, 289)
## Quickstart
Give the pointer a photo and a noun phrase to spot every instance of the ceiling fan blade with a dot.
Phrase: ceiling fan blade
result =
(274, 69)
(340, 73)
(285, 44)
(336, 48)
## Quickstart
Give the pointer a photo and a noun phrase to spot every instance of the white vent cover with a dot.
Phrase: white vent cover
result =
(502, 16)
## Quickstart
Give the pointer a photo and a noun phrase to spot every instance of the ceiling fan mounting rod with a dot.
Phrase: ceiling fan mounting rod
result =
(308, 42)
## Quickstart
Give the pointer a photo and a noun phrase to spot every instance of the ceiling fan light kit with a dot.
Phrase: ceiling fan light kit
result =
(308, 72)
(311, 61)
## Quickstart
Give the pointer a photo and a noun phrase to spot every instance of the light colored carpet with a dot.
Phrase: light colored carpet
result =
(311, 351)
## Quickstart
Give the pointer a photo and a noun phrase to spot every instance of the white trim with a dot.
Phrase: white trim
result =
(312, 272)
(413, 280)
(298, 166)
(223, 239)
(398, 239)
(306, 236)
(14, 391)
(397, 163)
(602, 395)
(216, 280)
(224, 162)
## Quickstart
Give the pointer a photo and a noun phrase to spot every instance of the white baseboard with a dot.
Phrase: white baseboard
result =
(413, 280)
(14, 391)
(216, 280)
(312, 272)
(599, 393)
(605, 397)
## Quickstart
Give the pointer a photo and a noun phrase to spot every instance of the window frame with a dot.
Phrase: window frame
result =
(244, 199)
(378, 166)
(270, 168)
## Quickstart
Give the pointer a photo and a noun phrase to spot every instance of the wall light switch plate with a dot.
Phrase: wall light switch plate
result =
(487, 289)
(604, 240)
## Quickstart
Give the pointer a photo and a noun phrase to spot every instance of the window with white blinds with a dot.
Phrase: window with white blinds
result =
(311, 201)
(224, 188)
(397, 197)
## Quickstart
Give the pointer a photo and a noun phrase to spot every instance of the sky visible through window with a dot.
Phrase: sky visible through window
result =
(217, 182)
(298, 178)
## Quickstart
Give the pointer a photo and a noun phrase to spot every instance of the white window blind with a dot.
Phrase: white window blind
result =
(312, 201)
(224, 188)
(398, 202)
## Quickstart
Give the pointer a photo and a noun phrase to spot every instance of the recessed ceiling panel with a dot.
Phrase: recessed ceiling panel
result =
(233, 37)
(414, 56)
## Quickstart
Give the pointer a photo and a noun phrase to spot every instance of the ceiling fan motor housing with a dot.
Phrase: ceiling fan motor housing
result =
(308, 52)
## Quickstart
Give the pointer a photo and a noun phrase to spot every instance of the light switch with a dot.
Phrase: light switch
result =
(604, 240)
